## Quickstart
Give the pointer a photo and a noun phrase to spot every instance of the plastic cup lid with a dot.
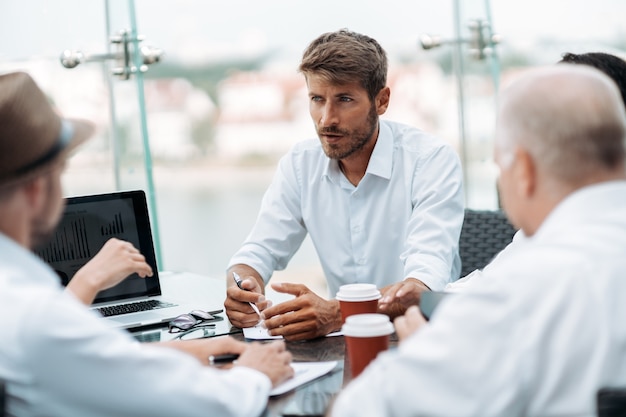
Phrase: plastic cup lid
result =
(358, 292)
(367, 325)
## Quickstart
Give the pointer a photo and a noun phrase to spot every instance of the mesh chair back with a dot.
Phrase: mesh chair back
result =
(611, 402)
(3, 399)
(483, 235)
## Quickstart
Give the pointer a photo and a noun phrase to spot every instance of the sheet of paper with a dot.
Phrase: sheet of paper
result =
(304, 372)
(259, 332)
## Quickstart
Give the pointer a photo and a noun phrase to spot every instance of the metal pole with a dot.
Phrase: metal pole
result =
(459, 72)
(112, 113)
(144, 135)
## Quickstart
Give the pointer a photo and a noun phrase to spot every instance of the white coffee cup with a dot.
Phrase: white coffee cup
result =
(366, 336)
(357, 299)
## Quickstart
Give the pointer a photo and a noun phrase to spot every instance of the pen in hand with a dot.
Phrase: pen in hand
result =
(238, 281)
(222, 359)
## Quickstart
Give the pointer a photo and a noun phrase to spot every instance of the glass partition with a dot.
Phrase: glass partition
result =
(470, 55)
(478, 72)
(85, 61)
(131, 150)
(202, 129)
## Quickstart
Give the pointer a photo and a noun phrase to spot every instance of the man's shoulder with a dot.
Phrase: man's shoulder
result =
(413, 139)
(556, 264)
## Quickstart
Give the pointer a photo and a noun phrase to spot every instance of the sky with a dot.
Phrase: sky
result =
(197, 30)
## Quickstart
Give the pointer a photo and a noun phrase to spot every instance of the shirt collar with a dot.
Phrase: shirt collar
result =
(381, 161)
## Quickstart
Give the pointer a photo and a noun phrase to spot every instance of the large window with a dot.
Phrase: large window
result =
(225, 101)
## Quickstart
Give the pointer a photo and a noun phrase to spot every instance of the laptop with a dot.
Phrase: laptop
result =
(87, 223)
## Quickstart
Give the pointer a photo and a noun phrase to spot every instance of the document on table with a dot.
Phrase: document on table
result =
(303, 373)
(259, 332)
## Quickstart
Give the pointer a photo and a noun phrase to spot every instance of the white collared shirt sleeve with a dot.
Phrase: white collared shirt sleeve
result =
(81, 365)
(434, 227)
(59, 359)
(279, 229)
(470, 279)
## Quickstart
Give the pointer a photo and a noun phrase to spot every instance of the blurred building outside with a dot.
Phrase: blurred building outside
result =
(217, 127)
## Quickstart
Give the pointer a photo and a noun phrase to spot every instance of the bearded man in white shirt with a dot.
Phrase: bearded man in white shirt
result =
(540, 333)
(381, 201)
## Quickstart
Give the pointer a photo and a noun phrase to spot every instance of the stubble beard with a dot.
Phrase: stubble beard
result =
(357, 139)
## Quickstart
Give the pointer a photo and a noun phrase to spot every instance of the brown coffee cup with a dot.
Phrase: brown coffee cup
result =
(366, 336)
(357, 299)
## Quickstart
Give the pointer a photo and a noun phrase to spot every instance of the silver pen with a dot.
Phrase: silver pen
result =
(238, 280)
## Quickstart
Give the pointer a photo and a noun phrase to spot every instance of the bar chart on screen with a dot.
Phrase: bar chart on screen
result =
(68, 244)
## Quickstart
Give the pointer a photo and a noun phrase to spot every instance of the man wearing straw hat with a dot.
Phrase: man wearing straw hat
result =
(58, 358)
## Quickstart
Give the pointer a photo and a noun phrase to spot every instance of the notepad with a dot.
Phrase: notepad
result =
(259, 332)
(304, 372)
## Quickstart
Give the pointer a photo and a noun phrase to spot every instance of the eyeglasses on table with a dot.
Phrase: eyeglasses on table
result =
(193, 320)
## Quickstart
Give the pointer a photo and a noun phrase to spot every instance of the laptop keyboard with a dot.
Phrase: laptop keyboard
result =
(133, 307)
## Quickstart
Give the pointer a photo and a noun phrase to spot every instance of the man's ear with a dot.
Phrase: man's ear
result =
(525, 173)
(382, 100)
(34, 192)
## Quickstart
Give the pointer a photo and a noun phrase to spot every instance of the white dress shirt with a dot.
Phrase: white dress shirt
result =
(537, 335)
(402, 220)
(60, 359)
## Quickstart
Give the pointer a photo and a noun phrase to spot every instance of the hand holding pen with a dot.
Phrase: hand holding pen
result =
(238, 280)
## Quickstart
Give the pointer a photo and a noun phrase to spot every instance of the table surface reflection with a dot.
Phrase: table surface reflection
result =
(311, 399)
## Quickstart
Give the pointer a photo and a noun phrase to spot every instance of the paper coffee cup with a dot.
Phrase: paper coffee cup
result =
(357, 299)
(366, 336)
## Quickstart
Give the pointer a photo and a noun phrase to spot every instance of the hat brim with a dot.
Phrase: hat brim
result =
(82, 130)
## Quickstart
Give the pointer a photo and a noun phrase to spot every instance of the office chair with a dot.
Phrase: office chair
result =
(611, 402)
(3, 399)
(483, 235)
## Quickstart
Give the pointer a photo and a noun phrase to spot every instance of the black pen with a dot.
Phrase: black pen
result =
(224, 358)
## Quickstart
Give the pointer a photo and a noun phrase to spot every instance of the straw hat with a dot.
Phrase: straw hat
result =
(33, 137)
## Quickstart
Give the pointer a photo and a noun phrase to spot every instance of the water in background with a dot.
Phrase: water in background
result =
(204, 215)
(205, 212)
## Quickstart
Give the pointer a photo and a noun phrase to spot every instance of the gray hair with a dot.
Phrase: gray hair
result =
(570, 119)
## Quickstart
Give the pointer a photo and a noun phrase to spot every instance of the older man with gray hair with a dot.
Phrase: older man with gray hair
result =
(538, 335)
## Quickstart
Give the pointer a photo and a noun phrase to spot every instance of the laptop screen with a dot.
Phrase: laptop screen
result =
(87, 223)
